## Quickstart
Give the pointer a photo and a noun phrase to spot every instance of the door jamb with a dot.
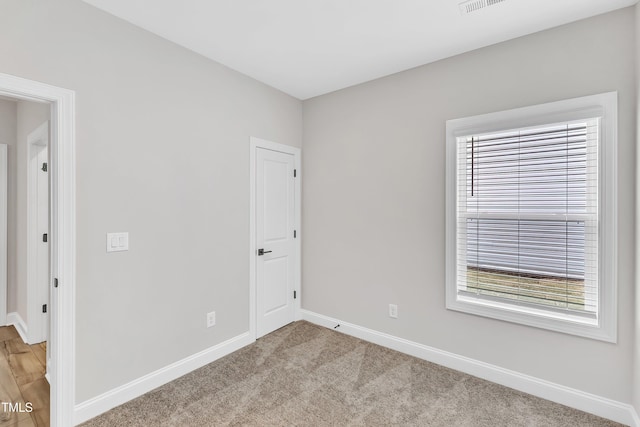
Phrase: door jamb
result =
(256, 143)
(63, 236)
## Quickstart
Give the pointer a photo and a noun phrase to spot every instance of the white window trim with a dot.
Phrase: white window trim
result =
(601, 105)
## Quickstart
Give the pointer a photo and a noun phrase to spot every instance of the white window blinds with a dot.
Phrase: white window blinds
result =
(527, 217)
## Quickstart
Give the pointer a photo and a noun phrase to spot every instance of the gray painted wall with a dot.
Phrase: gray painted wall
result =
(374, 197)
(8, 121)
(163, 153)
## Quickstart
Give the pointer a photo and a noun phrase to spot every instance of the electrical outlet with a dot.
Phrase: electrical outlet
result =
(211, 319)
(393, 311)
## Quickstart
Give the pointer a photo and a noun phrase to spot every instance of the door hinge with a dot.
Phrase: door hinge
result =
(294, 234)
(44, 167)
(294, 173)
(295, 295)
(55, 282)
(45, 238)
(44, 308)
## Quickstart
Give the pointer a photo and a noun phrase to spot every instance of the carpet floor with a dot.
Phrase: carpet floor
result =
(306, 375)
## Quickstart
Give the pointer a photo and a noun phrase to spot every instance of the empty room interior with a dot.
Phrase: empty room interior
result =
(319, 212)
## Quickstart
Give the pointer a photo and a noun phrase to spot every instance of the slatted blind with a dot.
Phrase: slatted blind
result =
(527, 219)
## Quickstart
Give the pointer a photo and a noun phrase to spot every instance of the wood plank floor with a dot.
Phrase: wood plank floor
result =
(22, 369)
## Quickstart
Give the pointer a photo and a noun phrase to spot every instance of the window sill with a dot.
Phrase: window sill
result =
(584, 326)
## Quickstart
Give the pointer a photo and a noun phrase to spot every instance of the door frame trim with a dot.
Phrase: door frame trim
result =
(255, 144)
(63, 236)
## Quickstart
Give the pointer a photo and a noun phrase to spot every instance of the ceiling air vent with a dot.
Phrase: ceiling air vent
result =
(475, 5)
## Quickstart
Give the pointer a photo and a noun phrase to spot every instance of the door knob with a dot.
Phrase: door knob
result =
(262, 252)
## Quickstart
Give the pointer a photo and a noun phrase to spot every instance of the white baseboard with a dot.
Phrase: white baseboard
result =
(15, 320)
(587, 402)
(93, 407)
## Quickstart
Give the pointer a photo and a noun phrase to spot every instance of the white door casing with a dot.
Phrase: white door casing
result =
(275, 219)
(38, 262)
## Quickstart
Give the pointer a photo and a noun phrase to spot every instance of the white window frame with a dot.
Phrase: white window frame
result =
(604, 325)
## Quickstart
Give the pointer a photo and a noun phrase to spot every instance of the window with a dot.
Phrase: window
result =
(531, 216)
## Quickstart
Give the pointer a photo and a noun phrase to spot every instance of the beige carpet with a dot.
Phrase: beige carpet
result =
(305, 375)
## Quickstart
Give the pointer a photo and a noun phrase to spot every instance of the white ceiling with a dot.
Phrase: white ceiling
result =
(311, 47)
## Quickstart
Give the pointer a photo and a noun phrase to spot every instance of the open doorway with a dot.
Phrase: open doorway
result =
(60, 244)
(26, 263)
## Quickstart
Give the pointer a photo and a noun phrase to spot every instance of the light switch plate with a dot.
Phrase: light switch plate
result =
(117, 242)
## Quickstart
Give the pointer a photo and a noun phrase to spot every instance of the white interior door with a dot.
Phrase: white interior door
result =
(275, 227)
(44, 254)
(38, 254)
(43, 248)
